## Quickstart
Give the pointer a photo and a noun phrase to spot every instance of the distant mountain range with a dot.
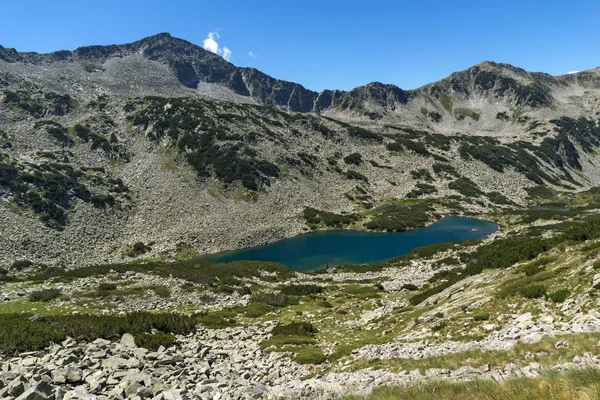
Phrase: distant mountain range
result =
(192, 65)
(163, 143)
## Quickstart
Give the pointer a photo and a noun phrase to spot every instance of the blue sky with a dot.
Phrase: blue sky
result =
(330, 44)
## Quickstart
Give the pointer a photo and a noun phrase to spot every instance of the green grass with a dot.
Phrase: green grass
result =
(200, 272)
(520, 354)
(573, 384)
(44, 295)
(310, 355)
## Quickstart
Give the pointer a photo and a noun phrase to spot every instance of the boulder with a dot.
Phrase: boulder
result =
(37, 318)
(16, 388)
(59, 376)
(73, 375)
(40, 391)
(128, 340)
(596, 281)
(115, 362)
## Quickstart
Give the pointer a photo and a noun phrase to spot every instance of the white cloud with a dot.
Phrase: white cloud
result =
(251, 54)
(572, 72)
(211, 44)
(227, 53)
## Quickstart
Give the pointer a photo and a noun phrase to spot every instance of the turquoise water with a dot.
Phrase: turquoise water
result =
(319, 249)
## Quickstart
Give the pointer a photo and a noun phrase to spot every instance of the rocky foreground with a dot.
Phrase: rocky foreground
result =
(229, 364)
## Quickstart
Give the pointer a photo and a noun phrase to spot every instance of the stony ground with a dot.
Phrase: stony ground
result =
(369, 333)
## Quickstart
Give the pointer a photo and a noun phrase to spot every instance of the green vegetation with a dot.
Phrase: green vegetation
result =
(481, 317)
(354, 158)
(422, 175)
(152, 341)
(161, 291)
(52, 189)
(323, 218)
(44, 295)
(272, 299)
(301, 290)
(533, 95)
(577, 383)
(421, 189)
(138, 249)
(39, 105)
(466, 187)
(462, 113)
(559, 296)
(18, 334)
(20, 265)
(445, 169)
(504, 253)
(310, 355)
(200, 272)
(363, 134)
(351, 174)
(405, 144)
(296, 337)
(188, 125)
(398, 218)
(295, 329)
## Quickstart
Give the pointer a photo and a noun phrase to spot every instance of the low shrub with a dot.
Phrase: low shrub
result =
(162, 291)
(152, 341)
(254, 310)
(310, 355)
(295, 329)
(482, 317)
(44, 295)
(244, 290)
(559, 296)
(138, 249)
(439, 327)
(216, 319)
(18, 334)
(325, 304)
(272, 299)
(350, 174)
(533, 291)
(107, 286)
(301, 290)
(354, 158)
(410, 287)
(314, 216)
(20, 265)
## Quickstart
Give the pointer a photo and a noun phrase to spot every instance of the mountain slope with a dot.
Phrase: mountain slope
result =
(163, 143)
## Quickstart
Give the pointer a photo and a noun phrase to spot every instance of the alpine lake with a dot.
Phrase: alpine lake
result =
(321, 249)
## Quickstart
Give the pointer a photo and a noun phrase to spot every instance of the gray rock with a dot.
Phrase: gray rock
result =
(128, 340)
(169, 361)
(37, 318)
(59, 376)
(16, 387)
(115, 362)
(73, 375)
(39, 391)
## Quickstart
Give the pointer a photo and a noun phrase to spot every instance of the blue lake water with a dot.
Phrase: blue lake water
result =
(329, 248)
